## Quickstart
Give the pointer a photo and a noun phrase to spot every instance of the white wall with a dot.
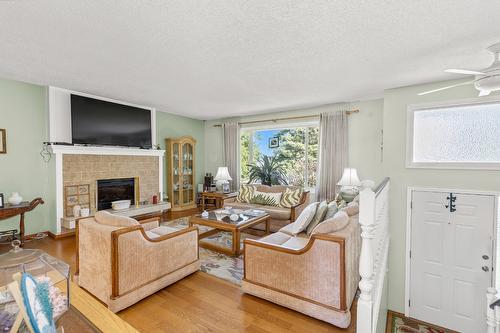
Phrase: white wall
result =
(364, 137)
(59, 105)
(395, 106)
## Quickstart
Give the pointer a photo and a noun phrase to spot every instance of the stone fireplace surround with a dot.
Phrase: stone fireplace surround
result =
(77, 165)
(87, 169)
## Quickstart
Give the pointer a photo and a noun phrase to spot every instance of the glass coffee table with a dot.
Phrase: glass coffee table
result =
(219, 220)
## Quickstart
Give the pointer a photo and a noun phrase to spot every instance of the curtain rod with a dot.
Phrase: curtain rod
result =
(281, 119)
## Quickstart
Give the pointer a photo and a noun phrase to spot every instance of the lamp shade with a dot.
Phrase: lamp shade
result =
(222, 174)
(349, 178)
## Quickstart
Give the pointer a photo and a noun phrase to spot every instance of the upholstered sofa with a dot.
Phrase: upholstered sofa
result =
(121, 261)
(280, 216)
(316, 275)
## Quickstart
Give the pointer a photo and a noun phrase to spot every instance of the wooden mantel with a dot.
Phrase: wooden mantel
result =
(91, 150)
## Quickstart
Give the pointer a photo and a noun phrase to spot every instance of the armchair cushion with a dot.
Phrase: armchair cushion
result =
(304, 218)
(338, 222)
(277, 238)
(106, 218)
(296, 243)
(288, 229)
(277, 213)
(160, 231)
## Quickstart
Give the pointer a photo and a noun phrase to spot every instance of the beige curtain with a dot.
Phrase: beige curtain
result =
(333, 151)
(232, 152)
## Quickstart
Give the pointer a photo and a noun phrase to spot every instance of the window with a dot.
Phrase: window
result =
(465, 135)
(295, 147)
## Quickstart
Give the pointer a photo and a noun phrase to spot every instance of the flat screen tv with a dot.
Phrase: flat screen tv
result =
(102, 123)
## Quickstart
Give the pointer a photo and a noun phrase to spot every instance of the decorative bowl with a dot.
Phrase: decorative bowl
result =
(15, 199)
(120, 204)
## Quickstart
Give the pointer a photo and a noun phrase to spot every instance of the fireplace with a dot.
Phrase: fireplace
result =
(109, 190)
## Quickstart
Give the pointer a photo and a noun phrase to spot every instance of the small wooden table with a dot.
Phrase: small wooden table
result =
(14, 210)
(218, 197)
(220, 221)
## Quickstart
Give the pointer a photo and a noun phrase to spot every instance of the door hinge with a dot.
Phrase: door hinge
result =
(411, 204)
(410, 254)
(409, 303)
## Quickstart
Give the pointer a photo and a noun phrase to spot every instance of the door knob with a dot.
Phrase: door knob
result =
(485, 268)
(485, 257)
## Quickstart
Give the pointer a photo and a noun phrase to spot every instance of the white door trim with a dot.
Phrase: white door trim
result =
(409, 191)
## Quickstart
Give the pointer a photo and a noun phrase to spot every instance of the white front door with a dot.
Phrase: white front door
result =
(451, 258)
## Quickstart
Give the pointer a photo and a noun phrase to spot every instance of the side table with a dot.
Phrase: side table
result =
(218, 197)
(14, 210)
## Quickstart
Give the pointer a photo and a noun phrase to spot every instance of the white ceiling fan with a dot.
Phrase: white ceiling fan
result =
(485, 81)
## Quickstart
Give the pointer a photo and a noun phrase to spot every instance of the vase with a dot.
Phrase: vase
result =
(76, 211)
(15, 199)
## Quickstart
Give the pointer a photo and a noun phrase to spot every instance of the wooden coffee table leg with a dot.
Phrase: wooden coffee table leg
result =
(236, 242)
(268, 226)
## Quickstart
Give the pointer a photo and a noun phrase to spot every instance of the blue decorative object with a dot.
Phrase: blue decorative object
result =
(37, 302)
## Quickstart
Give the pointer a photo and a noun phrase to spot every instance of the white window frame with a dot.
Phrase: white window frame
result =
(411, 109)
(252, 129)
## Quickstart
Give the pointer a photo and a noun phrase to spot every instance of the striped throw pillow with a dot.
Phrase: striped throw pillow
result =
(291, 197)
(245, 194)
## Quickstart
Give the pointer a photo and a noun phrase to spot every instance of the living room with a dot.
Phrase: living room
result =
(261, 171)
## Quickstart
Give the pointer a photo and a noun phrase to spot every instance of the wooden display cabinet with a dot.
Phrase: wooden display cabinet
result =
(181, 172)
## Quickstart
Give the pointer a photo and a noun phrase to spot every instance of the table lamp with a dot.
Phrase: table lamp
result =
(222, 177)
(350, 183)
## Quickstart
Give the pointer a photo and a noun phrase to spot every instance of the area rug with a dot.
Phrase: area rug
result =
(398, 323)
(220, 265)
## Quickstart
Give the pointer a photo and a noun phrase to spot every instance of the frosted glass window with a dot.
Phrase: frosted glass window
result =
(461, 134)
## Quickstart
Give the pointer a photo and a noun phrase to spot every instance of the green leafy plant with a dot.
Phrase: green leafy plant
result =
(268, 170)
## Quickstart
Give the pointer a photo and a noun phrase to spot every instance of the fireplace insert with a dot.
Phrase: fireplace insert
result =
(109, 190)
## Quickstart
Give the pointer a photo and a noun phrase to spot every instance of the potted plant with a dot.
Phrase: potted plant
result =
(268, 170)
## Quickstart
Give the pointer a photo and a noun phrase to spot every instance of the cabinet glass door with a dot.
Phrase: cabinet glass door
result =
(187, 172)
(176, 173)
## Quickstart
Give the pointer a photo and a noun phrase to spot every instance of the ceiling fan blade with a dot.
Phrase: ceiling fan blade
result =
(464, 71)
(447, 87)
(484, 93)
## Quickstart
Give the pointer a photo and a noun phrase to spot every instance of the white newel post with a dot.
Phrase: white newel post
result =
(491, 321)
(365, 302)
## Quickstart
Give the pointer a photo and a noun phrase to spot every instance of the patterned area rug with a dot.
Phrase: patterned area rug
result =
(225, 267)
(400, 324)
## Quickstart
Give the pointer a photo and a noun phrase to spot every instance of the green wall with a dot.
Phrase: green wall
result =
(23, 113)
(395, 109)
(172, 126)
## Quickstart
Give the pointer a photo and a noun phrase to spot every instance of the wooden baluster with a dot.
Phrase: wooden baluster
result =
(491, 318)
(365, 302)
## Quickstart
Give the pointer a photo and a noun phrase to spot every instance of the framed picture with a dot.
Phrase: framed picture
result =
(274, 142)
(1, 200)
(3, 141)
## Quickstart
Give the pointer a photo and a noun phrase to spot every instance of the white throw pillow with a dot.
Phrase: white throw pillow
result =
(305, 218)
(338, 222)
(266, 198)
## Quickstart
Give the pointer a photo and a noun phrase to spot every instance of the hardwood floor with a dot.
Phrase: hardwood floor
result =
(200, 303)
